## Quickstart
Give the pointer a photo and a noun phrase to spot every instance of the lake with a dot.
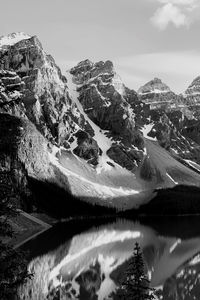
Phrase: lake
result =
(84, 259)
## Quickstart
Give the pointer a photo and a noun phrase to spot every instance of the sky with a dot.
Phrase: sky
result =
(143, 38)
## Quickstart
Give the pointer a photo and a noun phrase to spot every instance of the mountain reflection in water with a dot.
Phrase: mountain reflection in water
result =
(76, 260)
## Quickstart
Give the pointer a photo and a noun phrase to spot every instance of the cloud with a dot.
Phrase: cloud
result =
(169, 14)
(176, 12)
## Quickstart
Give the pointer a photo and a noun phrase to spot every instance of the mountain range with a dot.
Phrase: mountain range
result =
(87, 133)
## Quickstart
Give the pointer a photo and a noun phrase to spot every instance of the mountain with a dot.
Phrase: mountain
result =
(173, 119)
(108, 144)
(157, 94)
(192, 100)
(112, 107)
(193, 92)
(45, 96)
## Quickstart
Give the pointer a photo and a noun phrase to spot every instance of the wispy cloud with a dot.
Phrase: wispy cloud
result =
(176, 12)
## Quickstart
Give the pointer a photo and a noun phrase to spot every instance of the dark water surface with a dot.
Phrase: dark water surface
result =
(84, 259)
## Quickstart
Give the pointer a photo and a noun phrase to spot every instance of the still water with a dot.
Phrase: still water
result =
(84, 259)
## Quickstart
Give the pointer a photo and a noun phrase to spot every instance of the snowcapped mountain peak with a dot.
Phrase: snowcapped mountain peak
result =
(13, 38)
(154, 86)
(192, 94)
(101, 72)
(194, 87)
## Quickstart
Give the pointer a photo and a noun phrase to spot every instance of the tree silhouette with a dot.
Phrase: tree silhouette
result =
(134, 284)
(13, 265)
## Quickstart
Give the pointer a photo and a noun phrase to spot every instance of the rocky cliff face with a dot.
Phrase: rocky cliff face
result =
(114, 108)
(157, 94)
(192, 93)
(171, 116)
(45, 94)
(23, 153)
(11, 93)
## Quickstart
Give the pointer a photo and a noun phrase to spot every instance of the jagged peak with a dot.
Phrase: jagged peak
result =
(154, 86)
(194, 87)
(88, 65)
(13, 38)
(87, 71)
(195, 81)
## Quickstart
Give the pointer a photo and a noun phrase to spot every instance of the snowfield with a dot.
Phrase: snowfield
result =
(102, 189)
(115, 188)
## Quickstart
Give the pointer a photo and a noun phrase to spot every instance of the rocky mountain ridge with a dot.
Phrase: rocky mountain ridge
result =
(90, 120)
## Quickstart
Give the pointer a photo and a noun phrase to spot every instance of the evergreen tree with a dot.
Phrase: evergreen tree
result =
(13, 267)
(134, 284)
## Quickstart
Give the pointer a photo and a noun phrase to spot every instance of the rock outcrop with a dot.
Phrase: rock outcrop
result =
(87, 147)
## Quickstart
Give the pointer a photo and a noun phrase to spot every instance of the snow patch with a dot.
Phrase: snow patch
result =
(195, 260)
(192, 164)
(174, 150)
(15, 95)
(13, 38)
(172, 248)
(74, 144)
(175, 182)
(98, 92)
(145, 131)
(102, 190)
(154, 91)
(118, 84)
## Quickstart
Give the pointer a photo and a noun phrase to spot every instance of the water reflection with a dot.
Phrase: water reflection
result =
(88, 265)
